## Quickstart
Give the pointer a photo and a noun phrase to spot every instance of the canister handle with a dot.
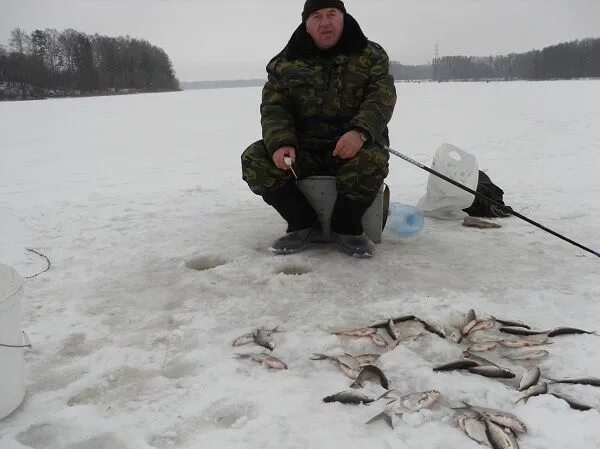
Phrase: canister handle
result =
(25, 340)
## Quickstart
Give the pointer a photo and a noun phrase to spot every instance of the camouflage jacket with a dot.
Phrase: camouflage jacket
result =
(312, 99)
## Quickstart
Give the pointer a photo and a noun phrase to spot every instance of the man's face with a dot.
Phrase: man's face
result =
(325, 26)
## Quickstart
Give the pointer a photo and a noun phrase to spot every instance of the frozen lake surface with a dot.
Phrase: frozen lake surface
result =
(132, 349)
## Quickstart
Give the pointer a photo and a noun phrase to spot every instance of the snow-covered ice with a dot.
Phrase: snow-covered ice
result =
(132, 348)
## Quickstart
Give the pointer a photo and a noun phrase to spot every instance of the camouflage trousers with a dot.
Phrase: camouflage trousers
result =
(358, 179)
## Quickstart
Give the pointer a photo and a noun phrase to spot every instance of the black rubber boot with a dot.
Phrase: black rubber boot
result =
(354, 245)
(293, 206)
(346, 228)
(347, 214)
(295, 241)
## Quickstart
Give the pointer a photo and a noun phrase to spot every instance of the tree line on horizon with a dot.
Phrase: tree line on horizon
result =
(575, 59)
(70, 62)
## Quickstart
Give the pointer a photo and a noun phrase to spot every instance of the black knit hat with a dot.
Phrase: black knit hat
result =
(311, 6)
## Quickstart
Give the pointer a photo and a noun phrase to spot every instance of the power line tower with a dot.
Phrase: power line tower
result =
(436, 56)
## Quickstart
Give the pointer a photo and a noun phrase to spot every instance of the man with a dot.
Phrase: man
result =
(324, 111)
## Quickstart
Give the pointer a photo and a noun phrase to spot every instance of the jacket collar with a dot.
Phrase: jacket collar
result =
(301, 45)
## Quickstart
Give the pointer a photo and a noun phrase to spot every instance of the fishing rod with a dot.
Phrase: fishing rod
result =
(494, 202)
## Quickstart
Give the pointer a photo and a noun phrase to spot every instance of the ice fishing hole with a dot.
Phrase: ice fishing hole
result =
(203, 263)
(294, 270)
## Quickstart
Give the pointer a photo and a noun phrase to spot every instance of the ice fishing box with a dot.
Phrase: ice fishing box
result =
(321, 192)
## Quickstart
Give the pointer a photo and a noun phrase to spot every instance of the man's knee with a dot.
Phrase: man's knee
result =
(361, 177)
(259, 171)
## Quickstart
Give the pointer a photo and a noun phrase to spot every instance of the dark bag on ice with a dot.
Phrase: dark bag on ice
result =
(484, 208)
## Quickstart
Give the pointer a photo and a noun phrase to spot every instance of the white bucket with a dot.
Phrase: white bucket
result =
(12, 369)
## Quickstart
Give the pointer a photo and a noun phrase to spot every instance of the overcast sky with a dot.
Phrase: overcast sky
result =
(231, 39)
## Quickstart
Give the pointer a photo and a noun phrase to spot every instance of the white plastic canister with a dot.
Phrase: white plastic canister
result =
(12, 370)
(444, 200)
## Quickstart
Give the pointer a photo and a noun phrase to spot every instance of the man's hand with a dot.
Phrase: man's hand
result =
(348, 145)
(282, 152)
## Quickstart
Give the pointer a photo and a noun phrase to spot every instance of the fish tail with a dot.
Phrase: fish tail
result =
(384, 395)
(375, 418)
(381, 416)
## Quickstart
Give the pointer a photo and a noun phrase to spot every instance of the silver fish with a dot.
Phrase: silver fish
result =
(456, 335)
(520, 331)
(481, 325)
(469, 316)
(348, 360)
(529, 378)
(418, 401)
(349, 397)
(483, 338)
(501, 418)
(399, 319)
(363, 332)
(510, 323)
(346, 363)
(534, 390)
(528, 355)
(477, 359)
(366, 359)
(433, 329)
(370, 373)
(592, 381)
(251, 336)
(244, 339)
(483, 346)
(568, 331)
(525, 342)
(492, 371)
(474, 428)
(459, 364)
(391, 329)
(378, 340)
(264, 359)
(349, 372)
(472, 222)
(498, 438)
(575, 405)
(344, 359)
(264, 338)
(409, 338)
(466, 328)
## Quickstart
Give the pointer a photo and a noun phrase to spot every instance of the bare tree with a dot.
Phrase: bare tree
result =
(54, 54)
(19, 41)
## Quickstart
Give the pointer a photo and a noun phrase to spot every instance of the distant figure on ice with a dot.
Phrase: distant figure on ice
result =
(325, 108)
